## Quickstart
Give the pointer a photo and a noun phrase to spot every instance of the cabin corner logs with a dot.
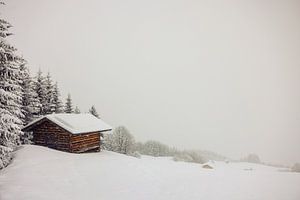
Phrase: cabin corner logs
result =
(46, 133)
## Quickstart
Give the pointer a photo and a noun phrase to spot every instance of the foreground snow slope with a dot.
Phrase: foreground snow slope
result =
(39, 173)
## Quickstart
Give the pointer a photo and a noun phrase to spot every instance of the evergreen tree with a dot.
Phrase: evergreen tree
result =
(69, 106)
(58, 108)
(49, 106)
(40, 89)
(10, 96)
(93, 111)
(30, 102)
(77, 110)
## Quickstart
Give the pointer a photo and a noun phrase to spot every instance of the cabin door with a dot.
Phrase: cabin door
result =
(51, 140)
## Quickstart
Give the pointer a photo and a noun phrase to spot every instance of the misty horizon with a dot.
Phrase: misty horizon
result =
(214, 76)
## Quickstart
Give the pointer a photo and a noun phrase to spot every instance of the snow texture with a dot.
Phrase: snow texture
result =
(76, 123)
(39, 173)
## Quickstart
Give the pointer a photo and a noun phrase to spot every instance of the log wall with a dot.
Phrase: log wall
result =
(85, 142)
(48, 134)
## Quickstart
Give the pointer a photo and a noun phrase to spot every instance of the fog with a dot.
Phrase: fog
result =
(215, 75)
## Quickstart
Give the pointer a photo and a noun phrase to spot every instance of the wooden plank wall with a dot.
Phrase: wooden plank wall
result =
(49, 134)
(85, 142)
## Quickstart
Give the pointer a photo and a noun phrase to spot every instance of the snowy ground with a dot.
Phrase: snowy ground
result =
(39, 173)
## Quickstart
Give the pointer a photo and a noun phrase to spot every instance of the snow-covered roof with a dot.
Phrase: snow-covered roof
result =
(75, 123)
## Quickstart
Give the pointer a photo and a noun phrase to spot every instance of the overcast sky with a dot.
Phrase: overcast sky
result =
(215, 75)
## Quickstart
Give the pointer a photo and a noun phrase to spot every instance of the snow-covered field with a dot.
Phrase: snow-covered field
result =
(39, 173)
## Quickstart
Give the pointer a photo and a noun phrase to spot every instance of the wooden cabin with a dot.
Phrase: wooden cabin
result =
(75, 133)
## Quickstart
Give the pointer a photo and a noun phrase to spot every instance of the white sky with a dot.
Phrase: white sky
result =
(216, 75)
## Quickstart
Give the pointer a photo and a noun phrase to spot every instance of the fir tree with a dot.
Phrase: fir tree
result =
(40, 89)
(10, 96)
(94, 112)
(30, 102)
(77, 110)
(58, 107)
(49, 106)
(69, 106)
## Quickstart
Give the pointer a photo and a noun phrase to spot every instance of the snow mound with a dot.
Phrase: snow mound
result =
(39, 173)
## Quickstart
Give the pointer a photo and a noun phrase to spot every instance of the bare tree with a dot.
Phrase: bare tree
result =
(120, 141)
(251, 158)
(296, 167)
(155, 148)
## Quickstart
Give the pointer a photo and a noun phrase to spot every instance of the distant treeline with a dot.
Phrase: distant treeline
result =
(122, 141)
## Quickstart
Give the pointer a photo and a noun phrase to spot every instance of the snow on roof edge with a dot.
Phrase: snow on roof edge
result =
(71, 122)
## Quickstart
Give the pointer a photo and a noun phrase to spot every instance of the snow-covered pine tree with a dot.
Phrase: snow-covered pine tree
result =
(49, 106)
(69, 106)
(40, 89)
(77, 110)
(10, 96)
(94, 112)
(30, 102)
(58, 108)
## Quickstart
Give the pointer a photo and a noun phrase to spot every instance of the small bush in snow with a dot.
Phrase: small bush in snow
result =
(197, 158)
(5, 156)
(136, 154)
(189, 156)
(152, 148)
(296, 167)
(27, 138)
(251, 158)
(183, 157)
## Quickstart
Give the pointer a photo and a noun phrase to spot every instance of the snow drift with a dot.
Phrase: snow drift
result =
(39, 173)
